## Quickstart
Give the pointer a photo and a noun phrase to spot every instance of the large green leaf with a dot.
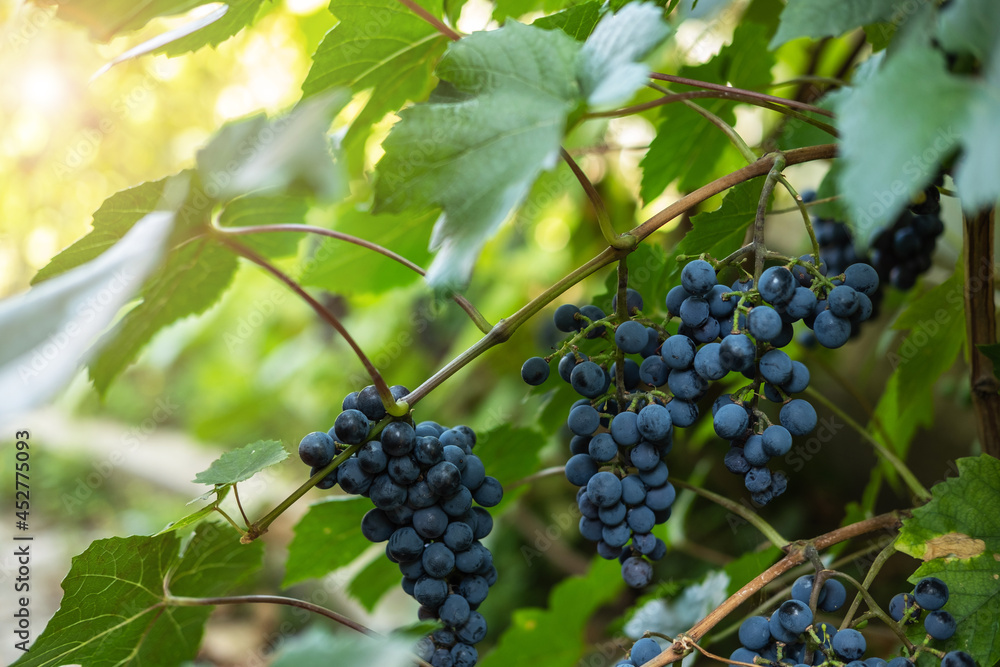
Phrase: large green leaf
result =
(555, 636)
(114, 610)
(69, 311)
(376, 579)
(821, 18)
(345, 268)
(255, 211)
(577, 21)
(721, 231)
(192, 278)
(477, 146)
(970, 26)
(886, 161)
(378, 45)
(109, 18)
(318, 646)
(241, 464)
(288, 153)
(509, 453)
(610, 70)
(936, 324)
(687, 146)
(975, 174)
(327, 537)
(958, 535)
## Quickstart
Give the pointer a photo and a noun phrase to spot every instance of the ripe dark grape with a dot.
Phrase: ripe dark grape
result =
(317, 449)
(931, 593)
(940, 625)
(535, 371)
(957, 659)
(849, 644)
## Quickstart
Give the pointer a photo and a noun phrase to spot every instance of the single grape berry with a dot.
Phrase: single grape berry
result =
(637, 572)
(849, 644)
(795, 616)
(940, 624)
(317, 449)
(957, 659)
(931, 593)
(535, 371)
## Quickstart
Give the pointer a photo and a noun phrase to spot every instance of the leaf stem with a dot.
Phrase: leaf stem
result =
(438, 24)
(875, 609)
(751, 517)
(236, 494)
(729, 130)
(603, 219)
(230, 520)
(331, 319)
(918, 489)
(806, 220)
(477, 318)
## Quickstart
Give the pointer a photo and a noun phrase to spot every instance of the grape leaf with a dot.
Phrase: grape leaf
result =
(254, 211)
(111, 222)
(609, 67)
(965, 511)
(220, 492)
(901, 414)
(326, 538)
(992, 352)
(192, 278)
(820, 18)
(970, 26)
(686, 145)
(555, 636)
(377, 578)
(980, 162)
(258, 154)
(316, 646)
(379, 45)
(345, 268)
(107, 19)
(69, 311)
(476, 146)
(509, 453)
(241, 464)
(936, 324)
(721, 231)
(886, 161)
(114, 611)
(577, 22)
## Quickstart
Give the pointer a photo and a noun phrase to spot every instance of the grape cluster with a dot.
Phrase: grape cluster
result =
(930, 595)
(790, 635)
(423, 480)
(621, 505)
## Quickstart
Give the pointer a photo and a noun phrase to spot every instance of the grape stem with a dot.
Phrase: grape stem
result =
(747, 93)
(748, 515)
(623, 316)
(877, 564)
(438, 24)
(388, 401)
(918, 489)
(876, 610)
(795, 556)
(477, 318)
(236, 494)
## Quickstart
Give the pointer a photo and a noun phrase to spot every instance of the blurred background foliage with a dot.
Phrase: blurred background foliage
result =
(259, 365)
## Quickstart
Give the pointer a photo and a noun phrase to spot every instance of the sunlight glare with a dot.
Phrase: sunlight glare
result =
(305, 7)
(44, 88)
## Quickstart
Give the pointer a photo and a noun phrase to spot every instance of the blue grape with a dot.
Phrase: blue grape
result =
(957, 659)
(802, 303)
(799, 380)
(444, 478)
(646, 648)
(593, 313)
(640, 519)
(402, 469)
(583, 420)
(604, 489)
(743, 655)
(753, 451)
(398, 439)
(660, 498)
(616, 536)
(580, 468)
(682, 413)
(777, 285)
(731, 421)
(694, 311)
(698, 277)
(776, 440)
(405, 545)
(644, 456)
(708, 364)
(654, 423)
(831, 331)
(843, 301)
(630, 373)
(655, 477)
(654, 371)
(931, 593)
(687, 385)
(535, 371)
(862, 277)
(798, 416)
(489, 493)
(351, 427)
(736, 462)
(802, 589)
(474, 629)
(675, 297)
(633, 301)
(764, 323)
(591, 529)
(371, 457)
(603, 448)
(376, 526)
(849, 644)
(631, 337)
(613, 515)
(940, 625)
(317, 449)
(438, 560)
(757, 480)
(795, 616)
(718, 307)
(588, 379)
(464, 655)
(624, 429)
(678, 352)
(637, 573)
(633, 490)
(833, 596)
(565, 318)
(755, 633)
(370, 403)
(458, 536)
(780, 632)
(737, 352)
(776, 367)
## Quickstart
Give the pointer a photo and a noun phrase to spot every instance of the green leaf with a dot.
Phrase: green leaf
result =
(970, 26)
(720, 232)
(556, 636)
(115, 217)
(886, 161)
(318, 646)
(372, 583)
(936, 324)
(258, 154)
(193, 277)
(820, 18)
(326, 538)
(241, 464)
(901, 414)
(980, 162)
(219, 491)
(114, 612)
(609, 68)
(484, 137)
(509, 453)
(958, 535)
(345, 268)
(107, 18)
(68, 312)
(254, 211)
(577, 22)
(686, 145)
(241, 13)
(378, 45)
(992, 352)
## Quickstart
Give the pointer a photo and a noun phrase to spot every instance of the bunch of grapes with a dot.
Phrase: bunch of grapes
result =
(792, 636)
(423, 480)
(621, 505)
(930, 595)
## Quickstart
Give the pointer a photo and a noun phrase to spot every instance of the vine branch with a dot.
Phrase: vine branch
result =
(603, 219)
(477, 318)
(795, 104)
